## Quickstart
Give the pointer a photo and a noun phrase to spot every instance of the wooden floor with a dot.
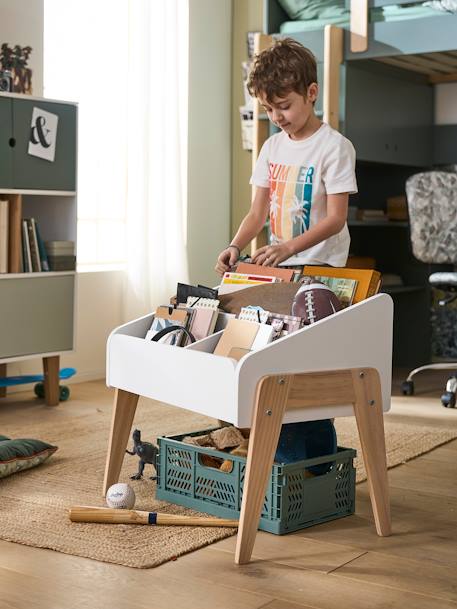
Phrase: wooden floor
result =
(342, 564)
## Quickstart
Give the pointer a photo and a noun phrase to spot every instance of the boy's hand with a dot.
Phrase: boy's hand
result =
(272, 255)
(226, 260)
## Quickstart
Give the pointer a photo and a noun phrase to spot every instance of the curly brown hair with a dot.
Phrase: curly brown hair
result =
(286, 66)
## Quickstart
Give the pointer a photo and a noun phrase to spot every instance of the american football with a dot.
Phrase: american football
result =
(314, 300)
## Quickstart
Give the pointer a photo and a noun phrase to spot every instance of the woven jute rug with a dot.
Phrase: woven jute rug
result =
(34, 504)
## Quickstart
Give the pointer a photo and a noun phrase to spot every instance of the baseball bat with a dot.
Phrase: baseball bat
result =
(82, 513)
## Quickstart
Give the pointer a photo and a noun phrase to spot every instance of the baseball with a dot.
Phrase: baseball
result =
(121, 496)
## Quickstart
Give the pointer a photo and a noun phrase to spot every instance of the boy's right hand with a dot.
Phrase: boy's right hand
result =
(226, 260)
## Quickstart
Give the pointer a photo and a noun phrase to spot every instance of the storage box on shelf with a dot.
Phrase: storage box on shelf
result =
(37, 307)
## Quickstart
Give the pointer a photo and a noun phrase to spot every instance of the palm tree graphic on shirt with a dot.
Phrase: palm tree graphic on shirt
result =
(274, 205)
(297, 213)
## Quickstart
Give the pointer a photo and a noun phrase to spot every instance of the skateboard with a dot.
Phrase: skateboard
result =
(64, 391)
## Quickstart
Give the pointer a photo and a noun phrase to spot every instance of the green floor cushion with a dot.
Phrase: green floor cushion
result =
(23, 453)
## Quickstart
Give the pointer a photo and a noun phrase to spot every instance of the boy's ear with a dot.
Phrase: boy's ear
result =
(312, 92)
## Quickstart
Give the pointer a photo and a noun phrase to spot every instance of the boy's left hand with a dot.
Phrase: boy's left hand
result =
(272, 255)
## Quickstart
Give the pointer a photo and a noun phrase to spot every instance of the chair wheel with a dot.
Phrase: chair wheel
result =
(39, 390)
(64, 393)
(448, 399)
(407, 388)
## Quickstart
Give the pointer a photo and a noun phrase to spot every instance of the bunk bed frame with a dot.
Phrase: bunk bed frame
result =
(427, 45)
(422, 51)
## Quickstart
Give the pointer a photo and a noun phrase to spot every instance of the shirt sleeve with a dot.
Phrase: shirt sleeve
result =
(339, 172)
(261, 173)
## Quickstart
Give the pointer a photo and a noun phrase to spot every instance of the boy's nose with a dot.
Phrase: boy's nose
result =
(277, 117)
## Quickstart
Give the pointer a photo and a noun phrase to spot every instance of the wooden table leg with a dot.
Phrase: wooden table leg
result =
(51, 367)
(370, 423)
(124, 408)
(2, 373)
(271, 398)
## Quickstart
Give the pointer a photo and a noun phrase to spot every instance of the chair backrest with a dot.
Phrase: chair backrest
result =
(432, 205)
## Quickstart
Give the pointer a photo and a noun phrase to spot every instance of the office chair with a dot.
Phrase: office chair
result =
(432, 205)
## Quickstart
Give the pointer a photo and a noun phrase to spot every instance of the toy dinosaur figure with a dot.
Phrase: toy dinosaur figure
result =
(146, 451)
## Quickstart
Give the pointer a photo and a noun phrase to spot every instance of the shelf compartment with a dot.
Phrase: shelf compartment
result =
(36, 314)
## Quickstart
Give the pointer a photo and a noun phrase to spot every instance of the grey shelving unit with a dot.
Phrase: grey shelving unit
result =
(37, 310)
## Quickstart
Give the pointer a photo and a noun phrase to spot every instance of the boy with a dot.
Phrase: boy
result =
(304, 173)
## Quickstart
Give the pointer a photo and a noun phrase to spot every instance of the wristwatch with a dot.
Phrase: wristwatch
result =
(236, 247)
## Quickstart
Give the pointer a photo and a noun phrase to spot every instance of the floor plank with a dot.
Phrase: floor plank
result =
(325, 591)
(298, 552)
(50, 578)
(416, 576)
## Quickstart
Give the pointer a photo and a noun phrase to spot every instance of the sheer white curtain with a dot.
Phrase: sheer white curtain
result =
(126, 63)
(157, 105)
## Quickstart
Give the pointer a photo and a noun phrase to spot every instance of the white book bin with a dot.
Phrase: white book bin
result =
(339, 366)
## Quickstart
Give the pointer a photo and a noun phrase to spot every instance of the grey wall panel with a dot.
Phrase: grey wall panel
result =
(388, 116)
(36, 315)
(445, 144)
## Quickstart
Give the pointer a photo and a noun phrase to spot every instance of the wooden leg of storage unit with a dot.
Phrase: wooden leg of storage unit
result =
(51, 380)
(2, 373)
(268, 414)
(124, 408)
(370, 423)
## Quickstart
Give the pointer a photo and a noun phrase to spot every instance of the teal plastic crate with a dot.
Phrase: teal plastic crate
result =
(293, 501)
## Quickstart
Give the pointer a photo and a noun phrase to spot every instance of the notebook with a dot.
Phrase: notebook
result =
(272, 271)
(243, 335)
(237, 334)
(203, 322)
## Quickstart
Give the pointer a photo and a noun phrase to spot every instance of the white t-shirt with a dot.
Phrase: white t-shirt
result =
(300, 174)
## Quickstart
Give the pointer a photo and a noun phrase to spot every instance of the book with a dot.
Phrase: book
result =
(4, 230)
(343, 287)
(64, 248)
(232, 282)
(15, 263)
(371, 215)
(202, 303)
(272, 271)
(34, 252)
(165, 317)
(284, 324)
(41, 249)
(27, 258)
(368, 280)
(61, 263)
(253, 313)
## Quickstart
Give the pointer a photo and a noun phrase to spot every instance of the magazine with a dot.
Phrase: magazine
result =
(343, 288)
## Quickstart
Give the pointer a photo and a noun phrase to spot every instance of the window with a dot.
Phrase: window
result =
(85, 60)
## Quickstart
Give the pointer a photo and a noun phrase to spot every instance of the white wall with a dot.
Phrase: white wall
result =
(21, 22)
(208, 217)
(99, 297)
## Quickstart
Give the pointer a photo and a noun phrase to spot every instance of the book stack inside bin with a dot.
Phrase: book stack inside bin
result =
(61, 255)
